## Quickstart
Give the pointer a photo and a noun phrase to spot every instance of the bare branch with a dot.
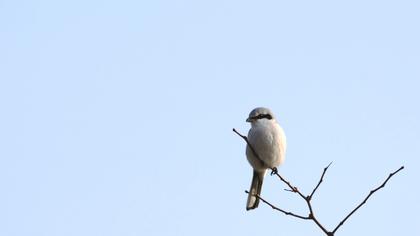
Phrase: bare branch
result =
(368, 196)
(278, 209)
(320, 181)
(291, 187)
(250, 146)
(308, 198)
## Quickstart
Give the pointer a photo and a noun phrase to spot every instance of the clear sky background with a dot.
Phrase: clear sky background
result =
(116, 116)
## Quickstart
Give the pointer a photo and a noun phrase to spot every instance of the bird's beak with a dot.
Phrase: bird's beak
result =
(248, 120)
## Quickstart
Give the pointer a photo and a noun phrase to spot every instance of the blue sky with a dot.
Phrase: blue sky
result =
(117, 116)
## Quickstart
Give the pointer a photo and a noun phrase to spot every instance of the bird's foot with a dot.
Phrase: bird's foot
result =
(274, 171)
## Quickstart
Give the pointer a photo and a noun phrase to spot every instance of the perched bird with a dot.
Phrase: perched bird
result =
(268, 140)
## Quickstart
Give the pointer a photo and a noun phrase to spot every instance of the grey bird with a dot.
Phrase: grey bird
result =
(269, 141)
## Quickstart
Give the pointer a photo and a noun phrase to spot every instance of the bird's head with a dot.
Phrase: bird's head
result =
(260, 114)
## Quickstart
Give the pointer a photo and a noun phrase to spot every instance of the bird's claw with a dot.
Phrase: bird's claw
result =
(274, 171)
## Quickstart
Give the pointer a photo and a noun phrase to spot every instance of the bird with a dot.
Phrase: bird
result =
(268, 140)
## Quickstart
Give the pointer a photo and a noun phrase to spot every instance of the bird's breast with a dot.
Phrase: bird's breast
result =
(267, 140)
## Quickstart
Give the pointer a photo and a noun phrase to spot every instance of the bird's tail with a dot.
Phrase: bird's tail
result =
(256, 184)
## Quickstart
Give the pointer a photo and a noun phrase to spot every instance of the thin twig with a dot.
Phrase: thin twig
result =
(281, 210)
(250, 146)
(368, 196)
(291, 187)
(320, 181)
